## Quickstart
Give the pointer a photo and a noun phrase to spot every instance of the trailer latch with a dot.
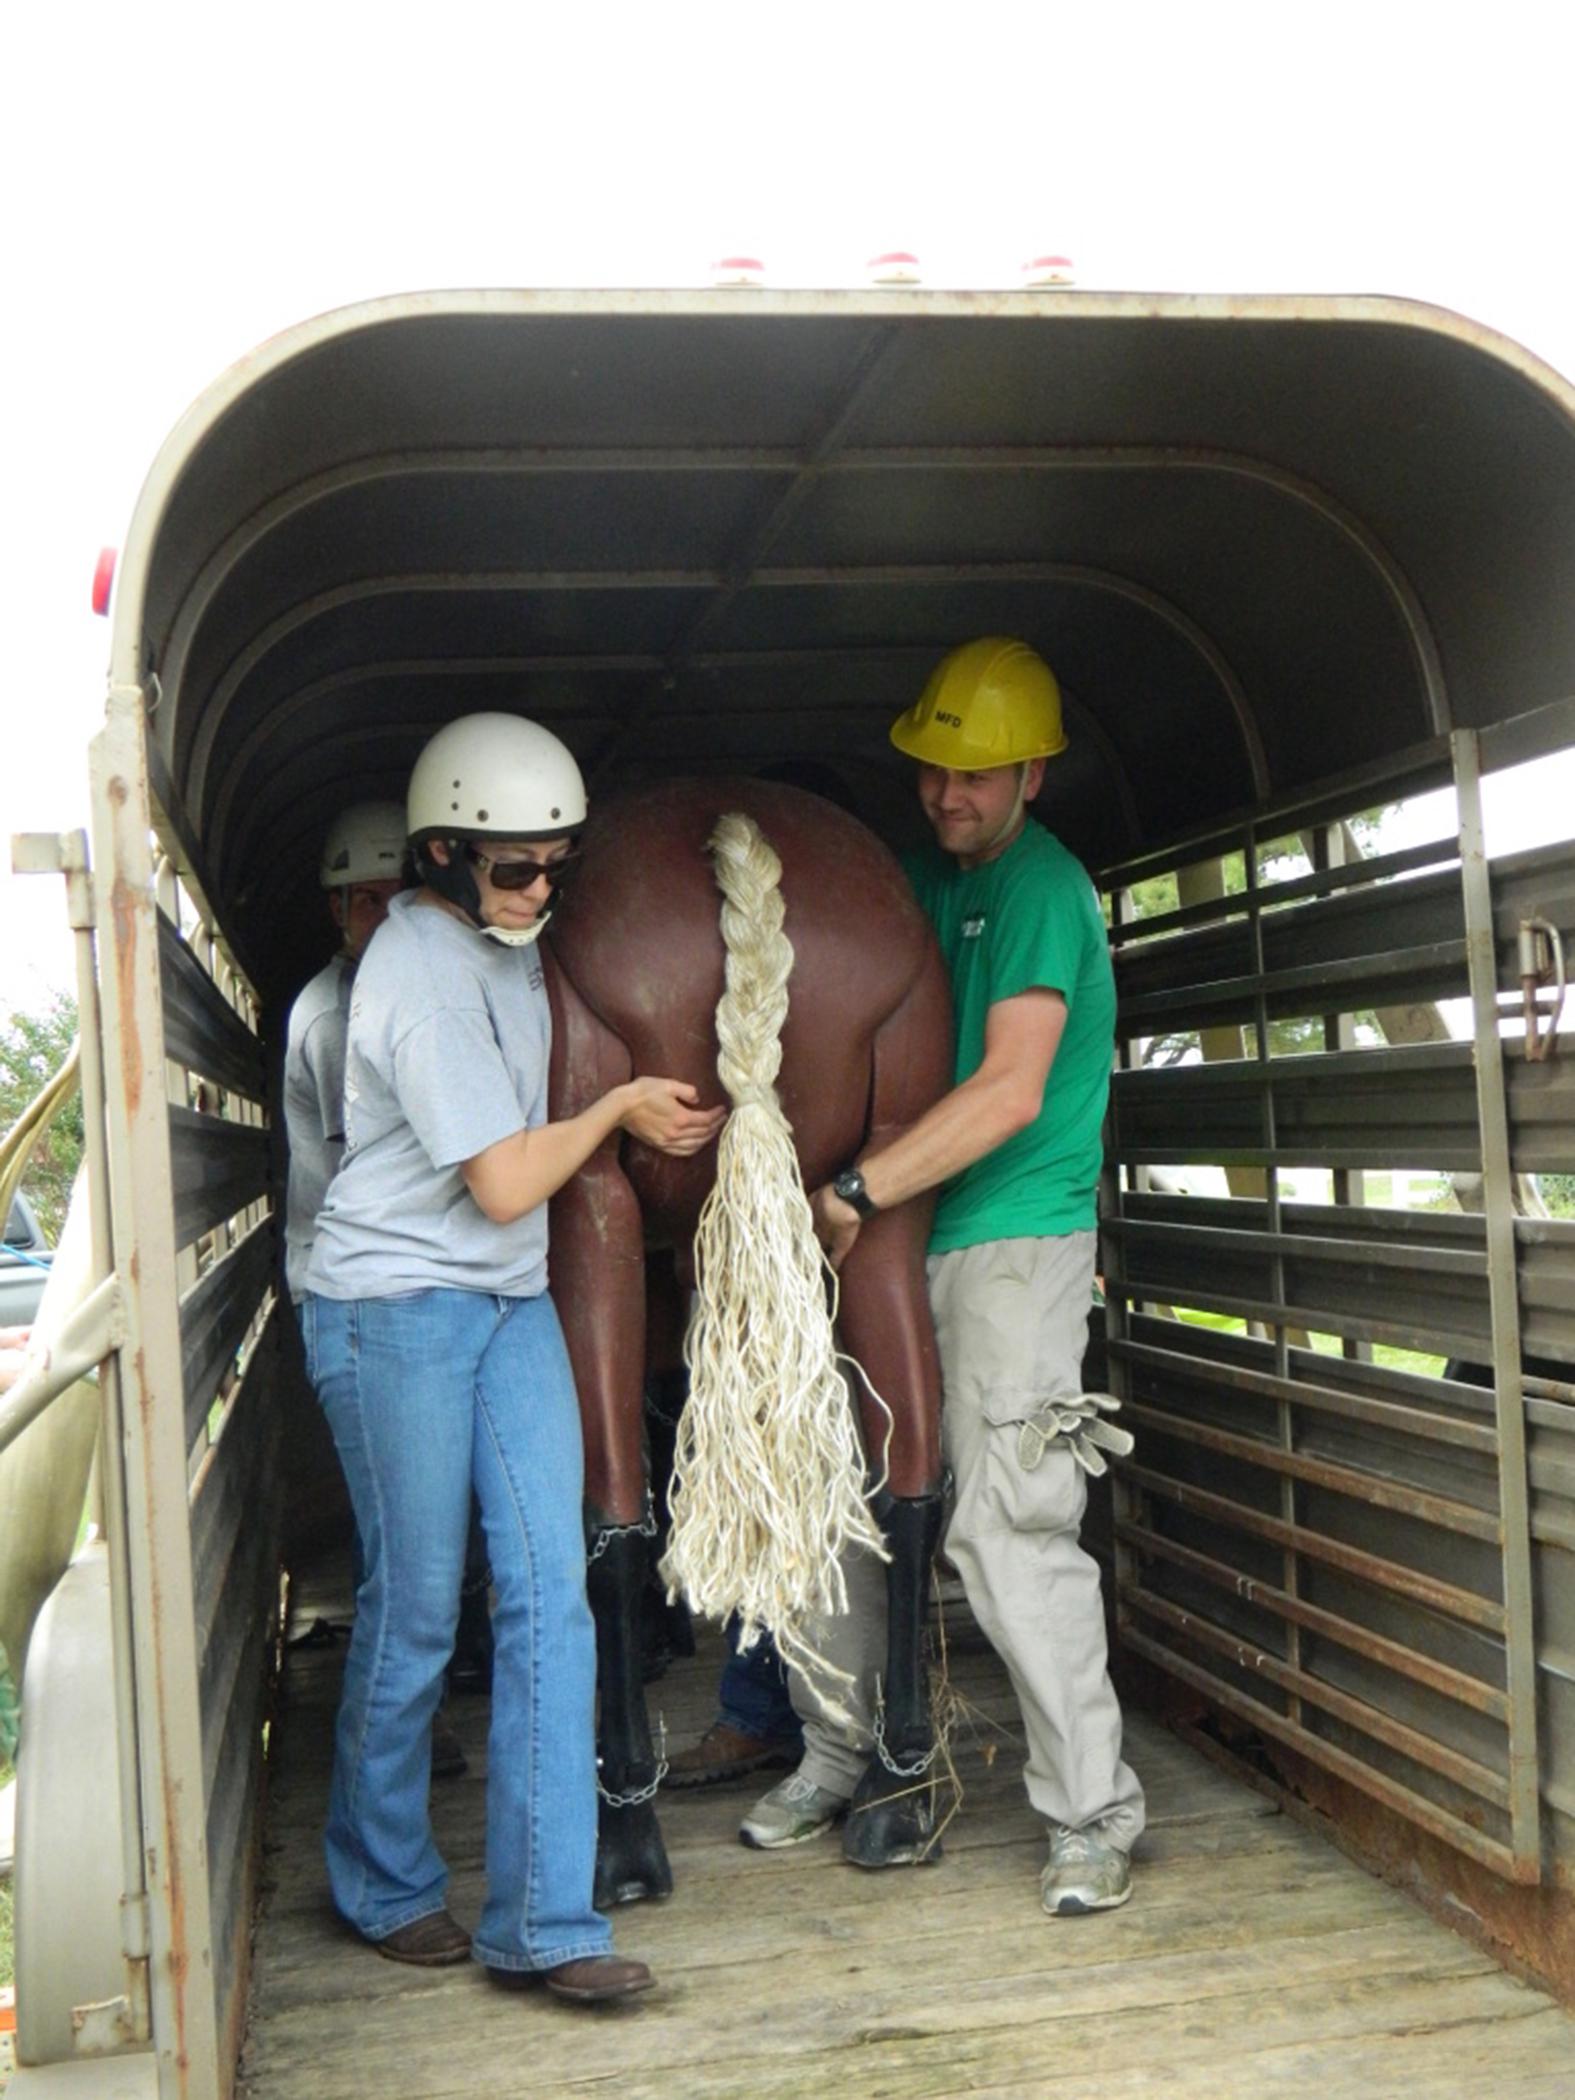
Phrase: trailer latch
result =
(1541, 962)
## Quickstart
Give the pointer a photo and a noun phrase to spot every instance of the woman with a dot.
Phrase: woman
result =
(438, 1358)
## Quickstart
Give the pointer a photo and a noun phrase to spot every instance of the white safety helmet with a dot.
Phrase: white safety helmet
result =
(365, 843)
(490, 777)
(495, 776)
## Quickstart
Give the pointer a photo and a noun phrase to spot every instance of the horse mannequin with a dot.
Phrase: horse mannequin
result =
(635, 971)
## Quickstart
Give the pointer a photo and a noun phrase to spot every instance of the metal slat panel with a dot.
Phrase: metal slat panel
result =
(1322, 882)
(1446, 1597)
(215, 1315)
(1389, 979)
(1452, 1829)
(1546, 1264)
(234, 1502)
(1539, 884)
(1361, 1640)
(201, 1030)
(1325, 1399)
(218, 1168)
(1375, 1108)
(1343, 931)
(1435, 1396)
(1341, 1480)
(231, 1489)
(1542, 1110)
(1437, 1757)
(1425, 1290)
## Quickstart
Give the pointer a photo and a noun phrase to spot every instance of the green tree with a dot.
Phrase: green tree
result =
(33, 1047)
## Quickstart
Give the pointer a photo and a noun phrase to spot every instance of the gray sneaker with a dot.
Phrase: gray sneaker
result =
(1084, 1873)
(791, 1814)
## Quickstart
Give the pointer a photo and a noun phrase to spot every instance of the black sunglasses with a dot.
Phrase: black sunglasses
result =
(520, 874)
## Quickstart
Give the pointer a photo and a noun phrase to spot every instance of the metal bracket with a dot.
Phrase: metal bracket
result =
(58, 853)
(103, 2027)
(1541, 947)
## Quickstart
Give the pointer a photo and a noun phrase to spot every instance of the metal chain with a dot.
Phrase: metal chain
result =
(636, 1796)
(645, 1529)
(915, 1770)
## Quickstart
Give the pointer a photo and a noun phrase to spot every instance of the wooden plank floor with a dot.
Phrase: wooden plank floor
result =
(1253, 1959)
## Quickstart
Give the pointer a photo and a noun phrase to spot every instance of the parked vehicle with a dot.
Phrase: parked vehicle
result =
(1293, 559)
(24, 1265)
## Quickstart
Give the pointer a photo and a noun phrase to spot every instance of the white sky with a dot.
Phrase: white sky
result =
(183, 181)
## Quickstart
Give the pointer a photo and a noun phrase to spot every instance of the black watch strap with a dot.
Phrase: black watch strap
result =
(849, 1186)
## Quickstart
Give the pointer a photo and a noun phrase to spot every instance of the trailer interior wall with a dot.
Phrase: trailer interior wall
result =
(1290, 559)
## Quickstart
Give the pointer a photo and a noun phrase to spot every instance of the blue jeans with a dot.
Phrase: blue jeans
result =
(753, 1694)
(427, 1392)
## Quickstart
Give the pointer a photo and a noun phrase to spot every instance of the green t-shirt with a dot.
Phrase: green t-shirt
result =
(1027, 921)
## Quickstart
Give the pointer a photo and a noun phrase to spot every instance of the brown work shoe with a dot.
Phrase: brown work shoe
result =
(597, 1978)
(432, 1942)
(725, 1752)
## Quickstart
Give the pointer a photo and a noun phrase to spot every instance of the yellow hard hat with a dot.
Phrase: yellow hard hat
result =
(990, 703)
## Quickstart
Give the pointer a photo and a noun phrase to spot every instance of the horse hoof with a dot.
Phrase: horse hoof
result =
(631, 1860)
(891, 1822)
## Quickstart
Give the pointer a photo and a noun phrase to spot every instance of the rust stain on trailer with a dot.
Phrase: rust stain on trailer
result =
(172, 1880)
(123, 906)
(1530, 1929)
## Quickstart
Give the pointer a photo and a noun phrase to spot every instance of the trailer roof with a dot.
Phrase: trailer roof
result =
(1262, 540)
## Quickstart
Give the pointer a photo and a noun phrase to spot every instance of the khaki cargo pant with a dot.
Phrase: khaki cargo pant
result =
(1011, 1321)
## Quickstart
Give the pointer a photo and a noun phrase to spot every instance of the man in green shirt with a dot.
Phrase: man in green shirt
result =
(1014, 1150)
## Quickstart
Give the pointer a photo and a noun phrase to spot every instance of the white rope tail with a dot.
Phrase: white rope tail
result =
(768, 1480)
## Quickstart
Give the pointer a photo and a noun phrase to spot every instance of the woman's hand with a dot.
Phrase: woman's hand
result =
(660, 1113)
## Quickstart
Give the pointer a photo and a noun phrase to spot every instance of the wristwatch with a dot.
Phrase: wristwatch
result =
(849, 1186)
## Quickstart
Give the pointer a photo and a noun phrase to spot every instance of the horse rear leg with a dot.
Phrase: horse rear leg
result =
(886, 1325)
(598, 1283)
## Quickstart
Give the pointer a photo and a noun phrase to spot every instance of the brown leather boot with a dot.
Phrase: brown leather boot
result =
(595, 1979)
(725, 1752)
(432, 1942)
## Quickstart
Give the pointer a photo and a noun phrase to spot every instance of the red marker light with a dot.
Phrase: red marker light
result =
(103, 580)
(1045, 270)
(896, 266)
(732, 270)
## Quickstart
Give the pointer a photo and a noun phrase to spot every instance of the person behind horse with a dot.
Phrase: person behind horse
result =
(1015, 1151)
(437, 1355)
(362, 870)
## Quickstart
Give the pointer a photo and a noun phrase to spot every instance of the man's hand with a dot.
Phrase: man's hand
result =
(836, 1224)
(659, 1113)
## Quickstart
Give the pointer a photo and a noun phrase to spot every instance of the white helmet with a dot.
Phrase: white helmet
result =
(365, 843)
(495, 776)
(491, 777)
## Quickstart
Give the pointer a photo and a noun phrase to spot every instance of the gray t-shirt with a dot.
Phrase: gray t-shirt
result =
(449, 1040)
(314, 1115)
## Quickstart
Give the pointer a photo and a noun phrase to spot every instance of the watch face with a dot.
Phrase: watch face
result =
(849, 1185)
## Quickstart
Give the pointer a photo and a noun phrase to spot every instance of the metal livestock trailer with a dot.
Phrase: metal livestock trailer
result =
(1294, 559)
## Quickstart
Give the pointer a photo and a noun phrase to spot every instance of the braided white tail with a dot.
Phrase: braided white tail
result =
(768, 1480)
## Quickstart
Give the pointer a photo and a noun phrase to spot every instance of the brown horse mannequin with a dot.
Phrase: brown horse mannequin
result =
(635, 973)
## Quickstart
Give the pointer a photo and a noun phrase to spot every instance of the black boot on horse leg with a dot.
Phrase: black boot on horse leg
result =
(631, 1861)
(892, 1820)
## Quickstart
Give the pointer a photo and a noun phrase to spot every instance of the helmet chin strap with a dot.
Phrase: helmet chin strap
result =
(453, 881)
(517, 936)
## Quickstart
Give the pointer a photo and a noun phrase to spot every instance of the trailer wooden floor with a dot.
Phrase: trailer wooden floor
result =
(1254, 1958)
